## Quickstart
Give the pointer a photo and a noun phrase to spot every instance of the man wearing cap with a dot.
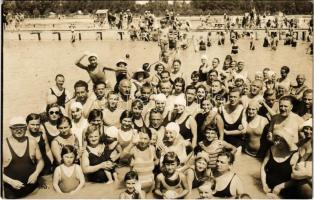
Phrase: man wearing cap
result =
(95, 70)
(22, 161)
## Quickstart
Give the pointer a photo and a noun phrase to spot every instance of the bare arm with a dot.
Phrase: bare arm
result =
(56, 151)
(79, 64)
(158, 186)
(80, 176)
(193, 127)
(47, 147)
(220, 125)
(185, 188)
(189, 176)
(56, 179)
(229, 147)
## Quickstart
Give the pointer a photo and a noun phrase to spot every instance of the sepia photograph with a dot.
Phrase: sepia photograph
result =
(157, 99)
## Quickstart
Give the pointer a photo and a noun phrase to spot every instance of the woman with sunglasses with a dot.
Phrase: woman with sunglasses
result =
(50, 126)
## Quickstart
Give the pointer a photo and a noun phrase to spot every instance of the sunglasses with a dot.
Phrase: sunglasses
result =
(54, 112)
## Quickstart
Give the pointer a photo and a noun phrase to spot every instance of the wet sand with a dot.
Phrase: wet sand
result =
(30, 67)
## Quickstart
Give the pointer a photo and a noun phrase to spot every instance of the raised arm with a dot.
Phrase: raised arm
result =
(78, 62)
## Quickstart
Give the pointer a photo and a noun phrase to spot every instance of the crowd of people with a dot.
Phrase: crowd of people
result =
(174, 131)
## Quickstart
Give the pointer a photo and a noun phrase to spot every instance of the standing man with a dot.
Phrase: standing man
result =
(59, 91)
(95, 70)
(22, 161)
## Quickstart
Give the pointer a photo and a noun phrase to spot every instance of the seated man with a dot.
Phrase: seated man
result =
(22, 161)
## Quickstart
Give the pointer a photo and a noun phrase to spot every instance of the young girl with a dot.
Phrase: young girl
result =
(133, 187)
(171, 184)
(212, 145)
(143, 159)
(68, 177)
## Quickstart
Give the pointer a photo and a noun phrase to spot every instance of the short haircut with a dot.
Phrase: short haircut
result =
(190, 87)
(154, 111)
(91, 129)
(286, 68)
(216, 59)
(195, 74)
(176, 60)
(94, 114)
(33, 116)
(233, 90)
(229, 155)
(81, 83)
(63, 119)
(68, 149)
(269, 93)
(59, 75)
(307, 91)
(213, 70)
(54, 105)
(126, 114)
(112, 93)
(287, 98)
(145, 130)
(98, 83)
(165, 72)
(130, 176)
(138, 103)
(171, 157)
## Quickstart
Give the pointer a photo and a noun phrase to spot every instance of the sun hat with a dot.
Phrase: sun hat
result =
(121, 61)
(76, 105)
(17, 121)
(112, 132)
(288, 136)
(135, 74)
(180, 100)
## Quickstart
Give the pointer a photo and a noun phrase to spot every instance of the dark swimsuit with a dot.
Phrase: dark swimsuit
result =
(42, 147)
(98, 176)
(277, 173)
(225, 193)
(61, 98)
(236, 140)
(198, 181)
(184, 131)
(49, 137)
(20, 168)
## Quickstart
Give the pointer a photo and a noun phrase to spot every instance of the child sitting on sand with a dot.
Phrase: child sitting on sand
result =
(133, 187)
(170, 183)
(68, 177)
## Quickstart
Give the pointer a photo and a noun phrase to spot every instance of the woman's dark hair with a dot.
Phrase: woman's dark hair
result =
(94, 114)
(63, 119)
(195, 73)
(33, 116)
(287, 69)
(126, 114)
(81, 83)
(91, 129)
(68, 149)
(159, 64)
(229, 155)
(138, 103)
(130, 176)
(176, 60)
(49, 106)
(179, 80)
(171, 157)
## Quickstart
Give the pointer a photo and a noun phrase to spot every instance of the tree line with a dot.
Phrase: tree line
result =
(36, 8)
